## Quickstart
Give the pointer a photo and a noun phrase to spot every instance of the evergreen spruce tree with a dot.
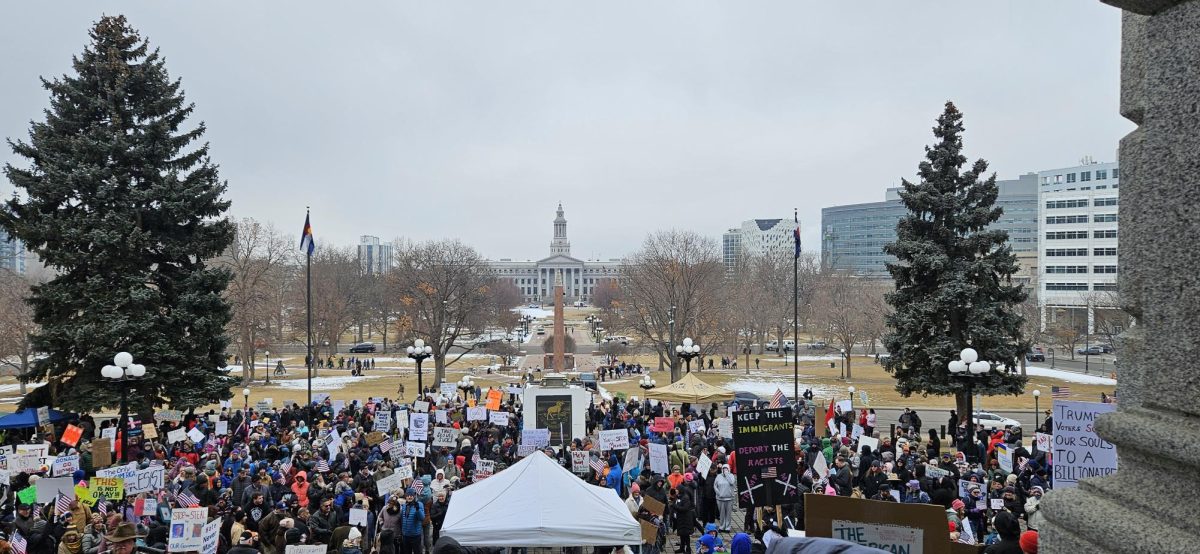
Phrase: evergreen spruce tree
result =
(122, 204)
(953, 275)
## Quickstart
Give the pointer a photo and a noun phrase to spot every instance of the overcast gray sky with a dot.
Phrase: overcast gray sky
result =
(473, 119)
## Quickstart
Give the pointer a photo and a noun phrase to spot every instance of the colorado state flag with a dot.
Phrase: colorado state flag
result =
(306, 238)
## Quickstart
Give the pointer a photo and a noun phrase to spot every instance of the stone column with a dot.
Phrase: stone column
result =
(1146, 506)
(560, 330)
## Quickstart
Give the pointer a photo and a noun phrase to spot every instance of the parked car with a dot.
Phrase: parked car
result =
(1106, 348)
(747, 400)
(617, 338)
(990, 420)
(1089, 351)
(1035, 355)
(362, 348)
(588, 380)
(541, 330)
(788, 345)
(818, 345)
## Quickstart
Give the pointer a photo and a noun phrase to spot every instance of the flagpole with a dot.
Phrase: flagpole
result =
(308, 307)
(796, 312)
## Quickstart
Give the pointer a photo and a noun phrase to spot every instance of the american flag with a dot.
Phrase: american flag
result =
(385, 446)
(418, 486)
(778, 400)
(770, 473)
(185, 498)
(37, 510)
(102, 507)
(1060, 392)
(19, 544)
(597, 465)
(62, 504)
(286, 467)
(322, 466)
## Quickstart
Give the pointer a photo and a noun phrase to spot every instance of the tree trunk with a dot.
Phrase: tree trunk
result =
(24, 370)
(1023, 374)
(847, 364)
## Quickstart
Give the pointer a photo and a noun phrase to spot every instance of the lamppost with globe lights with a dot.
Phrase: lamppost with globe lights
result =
(123, 372)
(419, 352)
(466, 384)
(647, 383)
(969, 368)
(1037, 413)
(843, 356)
(687, 351)
(246, 404)
(851, 389)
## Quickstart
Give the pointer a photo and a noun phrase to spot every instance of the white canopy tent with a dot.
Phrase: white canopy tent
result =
(538, 503)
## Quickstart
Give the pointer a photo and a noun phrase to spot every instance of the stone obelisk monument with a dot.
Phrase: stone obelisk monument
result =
(560, 330)
(1146, 506)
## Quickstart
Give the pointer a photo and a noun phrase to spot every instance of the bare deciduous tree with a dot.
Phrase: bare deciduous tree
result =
(849, 309)
(16, 325)
(337, 293)
(257, 259)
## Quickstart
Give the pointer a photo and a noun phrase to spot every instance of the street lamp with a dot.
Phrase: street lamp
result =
(418, 352)
(687, 351)
(843, 356)
(646, 382)
(1037, 424)
(123, 372)
(968, 367)
(851, 395)
(466, 384)
(246, 405)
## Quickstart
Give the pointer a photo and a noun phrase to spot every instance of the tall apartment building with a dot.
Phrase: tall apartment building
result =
(756, 237)
(374, 256)
(12, 253)
(1077, 258)
(853, 235)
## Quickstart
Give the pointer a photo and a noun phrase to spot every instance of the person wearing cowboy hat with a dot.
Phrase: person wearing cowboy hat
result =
(123, 539)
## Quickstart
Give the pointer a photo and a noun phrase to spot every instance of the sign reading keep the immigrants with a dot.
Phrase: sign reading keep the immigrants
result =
(766, 463)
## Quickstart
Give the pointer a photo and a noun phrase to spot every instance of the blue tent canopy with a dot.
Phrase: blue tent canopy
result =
(28, 418)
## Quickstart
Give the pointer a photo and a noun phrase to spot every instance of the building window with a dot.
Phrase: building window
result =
(1085, 176)
(1101, 174)
(1067, 252)
(1106, 218)
(1106, 251)
(1067, 235)
(1066, 286)
(1060, 219)
(1106, 201)
(1059, 269)
(1104, 269)
(1105, 287)
(1060, 204)
(1070, 177)
(1104, 234)
(1101, 187)
(1116, 173)
(1058, 179)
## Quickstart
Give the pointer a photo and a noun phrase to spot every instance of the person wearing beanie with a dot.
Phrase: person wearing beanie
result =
(1029, 542)
(634, 502)
(1009, 530)
(412, 523)
(725, 491)
(353, 542)
(958, 514)
(294, 536)
(247, 542)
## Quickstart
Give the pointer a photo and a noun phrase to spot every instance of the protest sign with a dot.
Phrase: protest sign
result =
(375, 437)
(633, 458)
(1078, 451)
(126, 471)
(405, 471)
(658, 459)
(41, 449)
(402, 419)
(498, 418)
(513, 389)
(537, 437)
(725, 427)
(493, 399)
(997, 503)
(305, 549)
(168, 415)
(703, 463)
(110, 434)
(414, 449)
(421, 406)
(263, 405)
(145, 480)
(696, 426)
(211, 535)
(48, 488)
(85, 496)
(484, 469)
(383, 421)
(71, 435)
(653, 506)
(187, 529)
(663, 425)
(320, 397)
(478, 413)
(936, 472)
(151, 432)
(965, 486)
(25, 462)
(226, 404)
(27, 495)
(856, 432)
(766, 466)
(445, 436)
(1004, 455)
(399, 450)
(441, 416)
(525, 450)
(338, 406)
(101, 452)
(43, 415)
(1043, 442)
(196, 435)
(862, 395)
(614, 439)
(393, 482)
(868, 441)
(579, 461)
(888, 526)
(176, 435)
(358, 516)
(109, 488)
(449, 390)
(844, 406)
(418, 427)
(222, 427)
(65, 465)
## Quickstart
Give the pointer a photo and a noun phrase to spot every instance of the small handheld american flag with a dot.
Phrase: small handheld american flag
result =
(185, 498)
(286, 467)
(19, 544)
(322, 466)
(778, 400)
(102, 507)
(418, 486)
(385, 446)
(1060, 392)
(597, 465)
(62, 504)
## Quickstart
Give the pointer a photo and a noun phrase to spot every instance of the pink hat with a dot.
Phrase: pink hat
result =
(688, 477)
(635, 488)
(958, 504)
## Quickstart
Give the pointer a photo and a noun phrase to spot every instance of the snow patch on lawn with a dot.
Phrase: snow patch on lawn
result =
(321, 383)
(16, 387)
(535, 312)
(1070, 376)
(766, 388)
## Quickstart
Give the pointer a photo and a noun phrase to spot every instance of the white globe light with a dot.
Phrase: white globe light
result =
(969, 355)
(851, 389)
(419, 343)
(980, 367)
(696, 348)
(137, 370)
(678, 349)
(1037, 393)
(245, 392)
(410, 350)
(653, 383)
(110, 372)
(687, 341)
(123, 359)
(429, 350)
(957, 366)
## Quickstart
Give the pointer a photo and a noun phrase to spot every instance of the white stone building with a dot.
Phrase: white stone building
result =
(535, 279)
(374, 256)
(756, 237)
(1077, 250)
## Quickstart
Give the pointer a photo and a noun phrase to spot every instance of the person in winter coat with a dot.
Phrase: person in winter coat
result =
(387, 542)
(1009, 530)
(1033, 513)
(725, 490)
(440, 505)
(353, 542)
(740, 544)
(683, 510)
(246, 543)
(93, 534)
(322, 523)
(412, 518)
